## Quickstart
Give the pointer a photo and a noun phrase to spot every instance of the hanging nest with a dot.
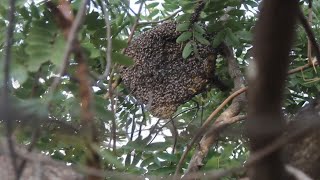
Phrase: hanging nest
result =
(160, 77)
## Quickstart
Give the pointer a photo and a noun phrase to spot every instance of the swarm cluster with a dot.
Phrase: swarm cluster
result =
(160, 77)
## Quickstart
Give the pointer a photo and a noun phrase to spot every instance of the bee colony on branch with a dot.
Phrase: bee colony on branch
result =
(160, 76)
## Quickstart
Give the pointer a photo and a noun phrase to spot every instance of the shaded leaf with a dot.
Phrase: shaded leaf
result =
(157, 146)
(218, 39)
(201, 39)
(198, 28)
(184, 36)
(183, 26)
(234, 41)
(183, 17)
(122, 59)
(152, 5)
(19, 73)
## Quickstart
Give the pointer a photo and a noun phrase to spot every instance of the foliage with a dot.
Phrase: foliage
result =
(144, 144)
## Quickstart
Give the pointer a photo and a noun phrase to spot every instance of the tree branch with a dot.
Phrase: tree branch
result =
(109, 40)
(205, 125)
(71, 29)
(228, 117)
(5, 104)
(310, 34)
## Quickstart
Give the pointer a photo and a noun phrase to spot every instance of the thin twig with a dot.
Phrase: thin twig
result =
(6, 104)
(310, 34)
(310, 24)
(175, 137)
(72, 35)
(113, 137)
(109, 40)
(300, 68)
(144, 119)
(135, 25)
(160, 128)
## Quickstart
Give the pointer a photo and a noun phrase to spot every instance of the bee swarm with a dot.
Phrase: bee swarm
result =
(160, 77)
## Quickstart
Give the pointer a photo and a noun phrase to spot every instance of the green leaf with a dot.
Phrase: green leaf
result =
(111, 158)
(187, 50)
(34, 11)
(201, 39)
(198, 28)
(167, 156)
(19, 73)
(231, 38)
(24, 12)
(251, 3)
(152, 5)
(236, 12)
(94, 52)
(218, 38)
(187, 6)
(154, 13)
(36, 59)
(127, 161)
(183, 26)
(164, 170)
(147, 161)
(136, 159)
(101, 109)
(183, 17)
(184, 36)
(41, 45)
(57, 51)
(118, 44)
(120, 18)
(20, 3)
(33, 107)
(157, 146)
(122, 59)
(213, 163)
(245, 35)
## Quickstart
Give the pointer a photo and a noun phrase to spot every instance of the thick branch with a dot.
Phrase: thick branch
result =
(5, 102)
(274, 33)
(224, 120)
